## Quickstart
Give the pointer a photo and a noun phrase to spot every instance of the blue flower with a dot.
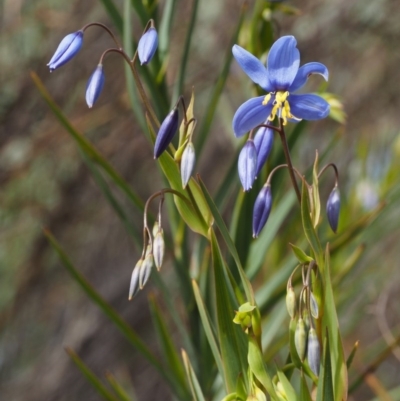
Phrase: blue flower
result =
(94, 86)
(282, 77)
(67, 49)
(147, 46)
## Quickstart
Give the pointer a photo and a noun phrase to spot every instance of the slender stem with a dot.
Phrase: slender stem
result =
(336, 172)
(282, 135)
(106, 29)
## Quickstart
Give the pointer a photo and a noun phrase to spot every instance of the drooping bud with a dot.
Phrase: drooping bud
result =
(187, 163)
(156, 228)
(134, 286)
(158, 249)
(244, 316)
(313, 352)
(259, 395)
(145, 269)
(291, 302)
(333, 208)
(263, 142)
(300, 339)
(314, 306)
(306, 319)
(166, 132)
(94, 86)
(280, 391)
(147, 46)
(262, 208)
(247, 165)
(67, 49)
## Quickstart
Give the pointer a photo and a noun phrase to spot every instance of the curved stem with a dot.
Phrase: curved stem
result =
(336, 172)
(106, 29)
(286, 151)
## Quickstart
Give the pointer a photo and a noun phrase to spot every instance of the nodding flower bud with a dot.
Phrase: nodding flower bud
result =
(166, 132)
(333, 208)
(67, 49)
(300, 338)
(145, 268)
(313, 352)
(263, 142)
(247, 165)
(291, 302)
(158, 249)
(262, 208)
(314, 306)
(147, 46)
(134, 286)
(94, 86)
(187, 163)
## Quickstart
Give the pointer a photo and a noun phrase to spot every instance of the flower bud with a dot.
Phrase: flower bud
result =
(263, 142)
(166, 132)
(291, 302)
(94, 86)
(262, 208)
(314, 306)
(300, 339)
(67, 49)
(280, 391)
(156, 228)
(187, 163)
(134, 286)
(158, 249)
(333, 208)
(145, 268)
(247, 165)
(313, 352)
(147, 46)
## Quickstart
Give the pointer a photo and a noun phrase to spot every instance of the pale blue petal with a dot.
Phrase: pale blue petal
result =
(305, 71)
(263, 141)
(308, 107)
(247, 165)
(283, 62)
(250, 114)
(253, 67)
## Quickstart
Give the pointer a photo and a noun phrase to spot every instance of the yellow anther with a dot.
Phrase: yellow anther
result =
(266, 99)
(281, 96)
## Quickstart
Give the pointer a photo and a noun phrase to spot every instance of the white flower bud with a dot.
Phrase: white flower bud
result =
(187, 163)
(158, 249)
(134, 286)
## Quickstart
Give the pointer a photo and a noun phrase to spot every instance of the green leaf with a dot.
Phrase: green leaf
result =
(169, 352)
(301, 256)
(352, 354)
(325, 385)
(289, 390)
(228, 240)
(232, 340)
(256, 364)
(121, 393)
(86, 147)
(165, 28)
(141, 11)
(192, 379)
(208, 328)
(315, 193)
(91, 377)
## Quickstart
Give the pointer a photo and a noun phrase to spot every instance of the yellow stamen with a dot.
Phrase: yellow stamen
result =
(266, 99)
(280, 105)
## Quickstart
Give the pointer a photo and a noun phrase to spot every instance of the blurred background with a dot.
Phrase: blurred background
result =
(44, 182)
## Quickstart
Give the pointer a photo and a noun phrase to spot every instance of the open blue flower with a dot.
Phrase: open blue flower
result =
(282, 77)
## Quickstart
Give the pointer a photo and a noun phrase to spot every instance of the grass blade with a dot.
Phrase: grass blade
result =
(192, 379)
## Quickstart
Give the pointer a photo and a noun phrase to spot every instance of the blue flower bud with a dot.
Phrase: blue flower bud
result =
(147, 46)
(263, 142)
(94, 86)
(333, 208)
(187, 163)
(262, 208)
(247, 164)
(166, 132)
(313, 352)
(67, 49)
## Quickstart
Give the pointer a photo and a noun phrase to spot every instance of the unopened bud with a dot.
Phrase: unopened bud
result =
(314, 306)
(145, 269)
(263, 141)
(166, 132)
(134, 286)
(147, 46)
(280, 391)
(262, 208)
(291, 302)
(300, 339)
(313, 351)
(158, 249)
(333, 208)
(247, 165)
(187, 163)
(95, 86)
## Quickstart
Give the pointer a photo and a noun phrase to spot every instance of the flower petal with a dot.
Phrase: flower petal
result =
(305, 71)
(283, 62)
(253, 67)
(263, 141)
(249, 115)
(308, 107)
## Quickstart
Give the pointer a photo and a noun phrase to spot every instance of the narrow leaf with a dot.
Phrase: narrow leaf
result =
(192, 379)
(304, 392)
(289, 390)
(122, 395)
(301, 256)
(325, 385)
